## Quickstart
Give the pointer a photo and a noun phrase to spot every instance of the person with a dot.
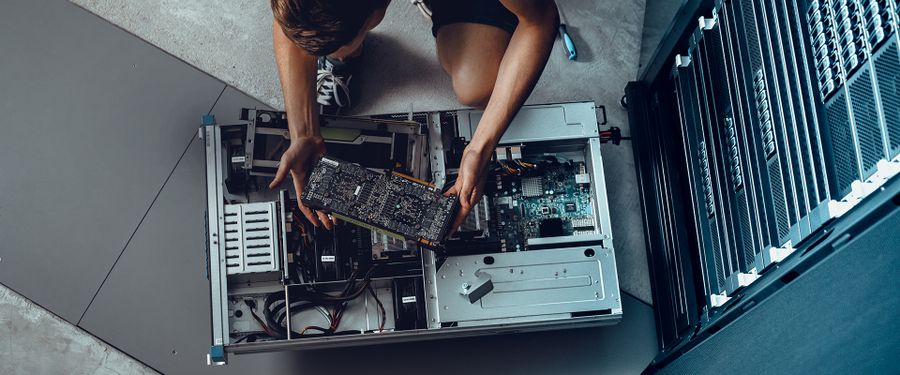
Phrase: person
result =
(493, 50)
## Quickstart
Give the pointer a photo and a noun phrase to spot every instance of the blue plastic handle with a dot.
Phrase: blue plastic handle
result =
(570, 45)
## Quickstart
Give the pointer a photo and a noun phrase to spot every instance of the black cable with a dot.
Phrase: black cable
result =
(380, 307)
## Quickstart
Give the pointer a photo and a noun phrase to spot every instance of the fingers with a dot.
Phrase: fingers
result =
(451, 191)
(477, 194)
(309, 214)
(460, 218)
(282, 172)
(325, 220)
(466, 190)
(299, 181)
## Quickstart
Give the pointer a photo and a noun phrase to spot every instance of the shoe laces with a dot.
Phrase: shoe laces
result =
(332, 87)
(424, 9)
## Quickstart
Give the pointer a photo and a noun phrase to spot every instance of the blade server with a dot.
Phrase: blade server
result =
(788, 117)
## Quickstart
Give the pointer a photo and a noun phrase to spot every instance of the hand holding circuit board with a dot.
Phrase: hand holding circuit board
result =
(396, 204)
(296, 161)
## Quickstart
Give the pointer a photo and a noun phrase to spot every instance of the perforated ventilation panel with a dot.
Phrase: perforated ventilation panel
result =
(887, 70)
(865, 116)
(845, 160)
(251, 238)
(718, 287)
(778, 202)
(746, 234)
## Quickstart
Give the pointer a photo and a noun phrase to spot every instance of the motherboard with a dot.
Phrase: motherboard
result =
(393, 203)
(554, 199)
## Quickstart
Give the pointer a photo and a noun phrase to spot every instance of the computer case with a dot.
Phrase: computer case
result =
(536, 254)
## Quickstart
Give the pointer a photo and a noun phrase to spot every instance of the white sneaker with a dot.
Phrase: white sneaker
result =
(333, 84)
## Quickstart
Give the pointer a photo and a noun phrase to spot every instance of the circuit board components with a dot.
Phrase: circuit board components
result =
(396, 204)
(551, 200)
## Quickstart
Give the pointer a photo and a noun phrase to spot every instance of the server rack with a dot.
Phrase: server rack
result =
(788, 117)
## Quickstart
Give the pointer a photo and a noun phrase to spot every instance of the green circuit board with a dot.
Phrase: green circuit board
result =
(554, 202)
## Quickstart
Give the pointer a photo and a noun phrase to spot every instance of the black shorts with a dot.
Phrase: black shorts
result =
(486, 12)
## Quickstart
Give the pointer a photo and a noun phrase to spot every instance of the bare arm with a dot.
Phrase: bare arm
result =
(522, 64)
(297, 73)
(520, 68)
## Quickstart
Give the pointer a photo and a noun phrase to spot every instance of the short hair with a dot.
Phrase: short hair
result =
(323, 26)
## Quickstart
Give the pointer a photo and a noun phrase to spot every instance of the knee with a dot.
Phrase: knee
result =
(472, 93)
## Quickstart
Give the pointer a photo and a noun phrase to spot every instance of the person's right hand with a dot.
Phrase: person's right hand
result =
(298, 159)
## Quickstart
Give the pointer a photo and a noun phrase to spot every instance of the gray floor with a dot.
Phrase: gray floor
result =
(101, 206)
(27, 330)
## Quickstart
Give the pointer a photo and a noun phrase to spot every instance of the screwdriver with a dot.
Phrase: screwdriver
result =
(567, 40)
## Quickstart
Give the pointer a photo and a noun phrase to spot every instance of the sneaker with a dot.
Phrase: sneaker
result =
(333, 84)
(423, 6)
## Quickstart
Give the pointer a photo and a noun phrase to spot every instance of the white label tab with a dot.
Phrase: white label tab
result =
(328, 258)
(408, 299)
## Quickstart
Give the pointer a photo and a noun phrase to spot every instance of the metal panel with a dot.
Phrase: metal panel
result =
(89, 137)
(252, 237)
(701, 190)
(582, 279)
(558, 122)
(766, 112)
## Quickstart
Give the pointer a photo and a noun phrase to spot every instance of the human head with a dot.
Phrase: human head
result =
(328, 27)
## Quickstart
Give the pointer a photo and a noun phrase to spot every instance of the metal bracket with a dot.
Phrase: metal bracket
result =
(707, 23)
(216, 356)
(770, 256)
(717, 300)
(682, 61)
(739, 280)
(208, 120)
(482, 286)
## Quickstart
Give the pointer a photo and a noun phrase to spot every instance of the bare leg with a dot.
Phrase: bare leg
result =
(471, 53)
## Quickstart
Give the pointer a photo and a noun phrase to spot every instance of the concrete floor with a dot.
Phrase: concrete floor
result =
(94, 257)
(27, 330)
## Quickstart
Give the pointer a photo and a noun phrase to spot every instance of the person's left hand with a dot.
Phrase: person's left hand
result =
(469, 184)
